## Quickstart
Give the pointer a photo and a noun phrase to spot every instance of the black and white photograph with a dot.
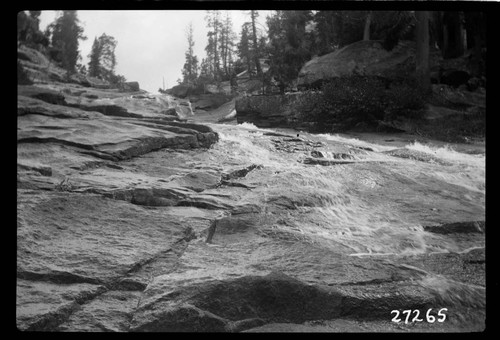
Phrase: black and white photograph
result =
(257, 169)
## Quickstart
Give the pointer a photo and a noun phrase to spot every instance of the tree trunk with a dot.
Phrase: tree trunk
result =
(446, 46)
(254, 36)
(368, 21)
(462, 35)
(422, 59)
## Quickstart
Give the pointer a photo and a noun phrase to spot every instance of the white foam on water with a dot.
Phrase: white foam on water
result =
(465, 170)
(240, 146)
(249, 126)
(356, 142)
(449, 154)
(339, 214)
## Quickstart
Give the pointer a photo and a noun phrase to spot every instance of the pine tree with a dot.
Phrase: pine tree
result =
(255, 50)
(102, 57)
(94, 63)
(107, 58)
(244, 47)
(227, 38)
(289, 45)
(214, 27)
(65, 35)
(190, 69)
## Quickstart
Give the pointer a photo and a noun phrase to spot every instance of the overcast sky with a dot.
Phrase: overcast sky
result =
(151, 43)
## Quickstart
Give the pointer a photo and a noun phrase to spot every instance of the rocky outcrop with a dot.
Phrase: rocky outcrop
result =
(180, 91)
(131, 86)
(267, 111)
(362, 58)
(101, 136)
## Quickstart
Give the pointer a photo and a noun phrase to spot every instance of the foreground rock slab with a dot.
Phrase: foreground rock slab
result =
(120, 231)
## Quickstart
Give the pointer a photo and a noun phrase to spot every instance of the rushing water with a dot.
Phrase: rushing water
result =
(376, 205)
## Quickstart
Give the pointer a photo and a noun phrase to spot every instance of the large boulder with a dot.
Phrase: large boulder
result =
(362, 58)
(131, 86)
(180, 91)
(266, 111)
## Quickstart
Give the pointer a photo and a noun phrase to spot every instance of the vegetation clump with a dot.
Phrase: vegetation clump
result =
(344, 102)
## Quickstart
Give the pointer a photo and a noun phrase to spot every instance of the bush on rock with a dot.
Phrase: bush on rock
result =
(346, 101)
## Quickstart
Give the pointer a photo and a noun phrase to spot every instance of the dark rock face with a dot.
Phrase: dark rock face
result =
(362, 58)
(180, 91)
(266, 111)
(455, 78)
(459, 227)
(131, 86)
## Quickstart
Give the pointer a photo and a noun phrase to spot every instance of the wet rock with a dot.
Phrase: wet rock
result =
(266, 111)
(458, 227)
(198, 181)
(241, 172)
(110, 110)
(147, 198)
(317, 154)
(376, 301)
(44, 170)
(170, 112)
(326, 162)
(416, 155)
(46, 95)
(292, 199)
(229, 117)
(236, 224)
(109, 312)
(208, 101)
(184, 318)
(43, 306)
(204, 202)
(64, 230)
(121, 140)
(26, 106)
(242, 325)
(274, 297)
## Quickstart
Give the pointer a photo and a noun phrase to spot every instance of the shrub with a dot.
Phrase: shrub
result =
(346, 101)
(404, 99)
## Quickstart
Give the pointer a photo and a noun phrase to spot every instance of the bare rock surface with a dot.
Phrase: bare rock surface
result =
(140, 222)
(366, 57)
